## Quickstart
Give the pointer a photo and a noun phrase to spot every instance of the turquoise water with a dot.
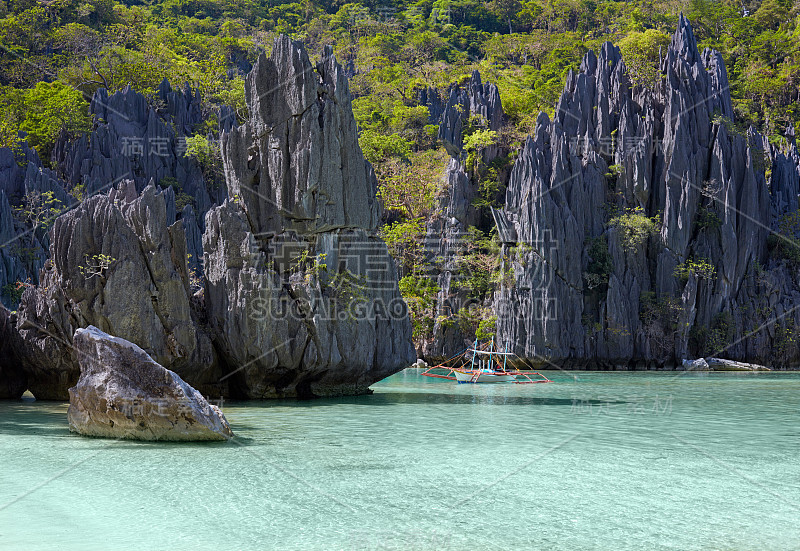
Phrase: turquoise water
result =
(593, 461)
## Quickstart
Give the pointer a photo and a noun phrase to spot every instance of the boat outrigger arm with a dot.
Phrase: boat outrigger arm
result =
(484, 364)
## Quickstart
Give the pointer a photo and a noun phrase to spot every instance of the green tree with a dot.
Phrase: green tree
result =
(39, 210)
(380, 147)
(11, 116)
(506, 10)
(420, 292)
(634, 227)
(404, 241)
(53, 108)
(207, 154)
(410, 187)
(640, 51)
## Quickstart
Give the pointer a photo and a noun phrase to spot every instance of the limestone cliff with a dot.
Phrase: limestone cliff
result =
(23, 249)
(704, 282)
(146, 142)
(13, 381)
(301, 295)
(300, 298)
(116, 262)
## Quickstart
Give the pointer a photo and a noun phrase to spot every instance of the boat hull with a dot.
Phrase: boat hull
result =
(483, 377)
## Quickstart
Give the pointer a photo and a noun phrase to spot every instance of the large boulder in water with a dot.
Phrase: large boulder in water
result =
(123, 393)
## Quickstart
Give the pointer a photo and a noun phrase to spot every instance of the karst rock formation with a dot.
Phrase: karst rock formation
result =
(296, 295)
(672, 154)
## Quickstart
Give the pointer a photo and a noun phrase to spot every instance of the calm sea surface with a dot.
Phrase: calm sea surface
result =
(592, 461)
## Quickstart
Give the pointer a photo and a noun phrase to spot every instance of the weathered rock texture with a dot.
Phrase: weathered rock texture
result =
(123, 393)
(675, 154)
(471, 99)
(146, 143)
(132, 140)
(301, 295)
(142, 295)
(444, 244)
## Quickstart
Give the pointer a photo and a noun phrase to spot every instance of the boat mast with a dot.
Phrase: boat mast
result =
(505, 356)
(474, 352)
(491, 349)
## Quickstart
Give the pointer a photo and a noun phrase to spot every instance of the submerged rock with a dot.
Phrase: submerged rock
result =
(123, 393)
(719, 364)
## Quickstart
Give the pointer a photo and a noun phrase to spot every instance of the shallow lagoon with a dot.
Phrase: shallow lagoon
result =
(650, 460)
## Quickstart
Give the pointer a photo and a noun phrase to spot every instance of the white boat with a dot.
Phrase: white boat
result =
(483, 364)
(483, 376)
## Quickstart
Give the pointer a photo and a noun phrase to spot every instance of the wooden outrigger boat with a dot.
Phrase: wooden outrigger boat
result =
(484, 364)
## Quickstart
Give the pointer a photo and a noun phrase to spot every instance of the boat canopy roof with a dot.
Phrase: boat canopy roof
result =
(489, 353)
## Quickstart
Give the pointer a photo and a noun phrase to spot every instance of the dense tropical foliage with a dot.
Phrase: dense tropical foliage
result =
(526, 47)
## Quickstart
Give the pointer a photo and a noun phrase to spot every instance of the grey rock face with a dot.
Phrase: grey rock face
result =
(296, 164)
(301, 296)
(469, 100)
(444, 241)
(118, 264)
(22, 171)
(12, 266)
(671, 153)
(133, 140)
(783, 183)
(118, 261)
(123, 393)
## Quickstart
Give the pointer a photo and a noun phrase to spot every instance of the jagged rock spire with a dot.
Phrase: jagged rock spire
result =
(676, 155)
(296, 164)
(299, 181)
